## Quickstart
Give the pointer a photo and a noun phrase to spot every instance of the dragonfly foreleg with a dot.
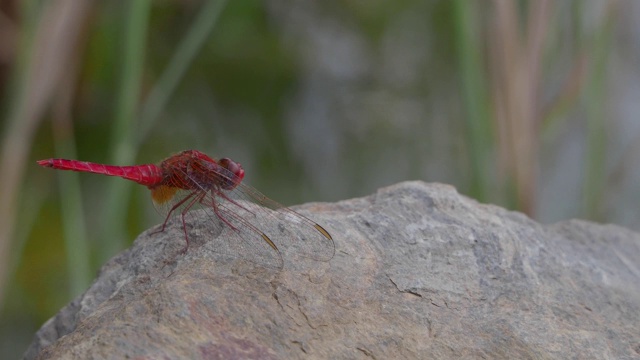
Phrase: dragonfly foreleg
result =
(216, 210)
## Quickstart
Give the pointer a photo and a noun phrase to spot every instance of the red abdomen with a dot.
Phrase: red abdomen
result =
(148, 174)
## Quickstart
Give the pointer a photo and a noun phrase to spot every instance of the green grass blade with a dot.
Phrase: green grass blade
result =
(474, 89)
(123, 136)
(178, 65)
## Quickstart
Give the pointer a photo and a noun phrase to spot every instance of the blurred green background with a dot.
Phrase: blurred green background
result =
(530, 105)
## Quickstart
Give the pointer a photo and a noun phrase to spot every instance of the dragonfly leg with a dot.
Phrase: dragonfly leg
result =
(216, 210)
(177, 205)
(197, 198)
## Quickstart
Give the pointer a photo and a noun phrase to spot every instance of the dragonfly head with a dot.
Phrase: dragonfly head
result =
(236, 170)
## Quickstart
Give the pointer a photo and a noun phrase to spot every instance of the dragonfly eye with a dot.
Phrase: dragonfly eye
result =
(236, 170)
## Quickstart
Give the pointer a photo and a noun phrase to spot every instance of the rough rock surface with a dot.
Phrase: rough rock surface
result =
(419, 272)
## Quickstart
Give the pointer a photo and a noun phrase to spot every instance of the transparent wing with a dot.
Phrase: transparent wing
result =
(290, 230)
(224, 231)
(260, 228)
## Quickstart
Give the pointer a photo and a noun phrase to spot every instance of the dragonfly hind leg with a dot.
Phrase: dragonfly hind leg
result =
(193, 197)
(196, 199)
(173, 208)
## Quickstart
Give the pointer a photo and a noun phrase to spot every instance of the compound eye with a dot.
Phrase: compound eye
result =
(236, 171)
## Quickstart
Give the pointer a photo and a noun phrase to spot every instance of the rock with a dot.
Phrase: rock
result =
(419, 272)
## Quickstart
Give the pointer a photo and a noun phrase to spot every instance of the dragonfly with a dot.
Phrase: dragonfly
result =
(192, 180)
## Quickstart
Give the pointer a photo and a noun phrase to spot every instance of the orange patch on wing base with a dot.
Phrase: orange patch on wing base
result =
(163, 193)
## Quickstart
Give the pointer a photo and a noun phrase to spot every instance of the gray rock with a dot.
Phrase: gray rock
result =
(419, 272)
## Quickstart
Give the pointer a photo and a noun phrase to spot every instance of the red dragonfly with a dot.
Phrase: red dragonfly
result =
(191, 179)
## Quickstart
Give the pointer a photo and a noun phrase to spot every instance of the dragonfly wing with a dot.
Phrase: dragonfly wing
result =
(240, 223)
(288, 228)
(210, 222)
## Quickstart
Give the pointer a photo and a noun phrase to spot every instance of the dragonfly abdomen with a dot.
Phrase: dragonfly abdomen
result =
(148, 174)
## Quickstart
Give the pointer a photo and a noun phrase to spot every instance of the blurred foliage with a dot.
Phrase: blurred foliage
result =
(319, 101)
